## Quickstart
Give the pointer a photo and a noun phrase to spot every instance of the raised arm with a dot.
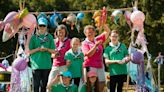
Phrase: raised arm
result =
(106, 30)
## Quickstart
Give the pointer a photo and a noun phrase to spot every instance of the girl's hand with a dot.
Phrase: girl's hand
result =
(121, 62)
(54, 81)
(98, 43)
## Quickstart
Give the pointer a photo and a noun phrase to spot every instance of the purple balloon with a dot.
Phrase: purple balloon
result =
(137, 57)
(20, 64)
(10, 17)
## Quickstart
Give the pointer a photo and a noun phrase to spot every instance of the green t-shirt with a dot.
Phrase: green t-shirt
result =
(83, 88)
(40, 59)
(61, 88)
(116, 53)
(76, 60)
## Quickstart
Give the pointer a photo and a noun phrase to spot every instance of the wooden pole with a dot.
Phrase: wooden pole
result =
(85, 11)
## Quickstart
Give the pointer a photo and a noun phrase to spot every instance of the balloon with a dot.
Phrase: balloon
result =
(96, 13)
(116, 12)
(116, 19)
(20, 63)
(115, 16)
(23, 13)
(42, 14)
(54, 19)
(100, 17)
(10, 17)
(137, 17)
(58, 17)
(10, 29)
(71, 18)
(97, 21)
(80, 16)
(103, 16)
(29, 21)
(137, 57)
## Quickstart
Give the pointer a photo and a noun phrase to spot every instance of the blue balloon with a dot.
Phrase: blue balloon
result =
(42, 14)
(80, 16)
(55, 19)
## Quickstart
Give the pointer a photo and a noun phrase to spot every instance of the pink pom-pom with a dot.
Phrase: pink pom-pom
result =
(20, 63)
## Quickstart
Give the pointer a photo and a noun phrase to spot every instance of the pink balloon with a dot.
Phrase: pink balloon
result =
(29, 21)
(10, 17)
(20, 64)
(137, 17)
(137, 57)
(9, 31)
(16, 22)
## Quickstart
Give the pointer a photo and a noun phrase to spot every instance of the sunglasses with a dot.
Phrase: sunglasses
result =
(42, 25)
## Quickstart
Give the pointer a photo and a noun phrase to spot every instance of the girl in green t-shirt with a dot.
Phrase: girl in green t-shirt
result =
(92, 83)
(65, 84)
(116, 57)
(74, 59)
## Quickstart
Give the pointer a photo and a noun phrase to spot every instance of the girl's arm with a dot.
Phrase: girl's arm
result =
(93, 49)
(106, 31)
(107, 61)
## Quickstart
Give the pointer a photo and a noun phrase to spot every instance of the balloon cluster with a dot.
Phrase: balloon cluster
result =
(15, 20)
(100, 17)
(136, 18)
(56, 18)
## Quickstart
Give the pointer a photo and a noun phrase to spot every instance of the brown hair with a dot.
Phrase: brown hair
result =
(88, 27)
(115, 31)
(60, 27)
(96, 85)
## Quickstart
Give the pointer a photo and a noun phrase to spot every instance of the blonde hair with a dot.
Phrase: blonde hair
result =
(75, 40)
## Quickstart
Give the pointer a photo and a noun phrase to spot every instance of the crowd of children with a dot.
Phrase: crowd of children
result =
(77, 66)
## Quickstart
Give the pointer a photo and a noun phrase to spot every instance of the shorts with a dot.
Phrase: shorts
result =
(100, 72)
